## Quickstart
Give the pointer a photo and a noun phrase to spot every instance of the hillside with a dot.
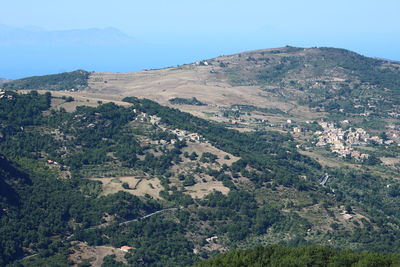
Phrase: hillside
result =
(301, 256)
(287, 146)
(75, 80)
(288, 89)
(301, 84)
(305, 82)
(2, 80)
(176, 187)
(340, 107)
(322, 79)
(327, 78)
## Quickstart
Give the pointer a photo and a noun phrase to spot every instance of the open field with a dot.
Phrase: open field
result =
(95, 255)
(207, 83)
(326, 161)
(202, 189)
(83, 99)
(201, 148)
(137, 186)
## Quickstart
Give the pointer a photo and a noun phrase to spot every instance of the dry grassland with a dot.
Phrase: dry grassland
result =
(137, 186)
(95, 254)
(201, 148)
(202, 189)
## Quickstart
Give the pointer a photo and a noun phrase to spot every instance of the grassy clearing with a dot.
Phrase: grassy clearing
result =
(137, 186)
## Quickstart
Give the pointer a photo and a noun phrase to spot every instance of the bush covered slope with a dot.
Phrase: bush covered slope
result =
(329, 79)
(301, 256)
(76, 80)
(274, 193)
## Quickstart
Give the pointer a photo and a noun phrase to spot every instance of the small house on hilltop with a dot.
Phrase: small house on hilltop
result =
(194, 137)
(127, 248)
(299, 129)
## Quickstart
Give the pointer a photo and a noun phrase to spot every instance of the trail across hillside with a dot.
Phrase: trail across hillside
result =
(134, 220)
(120, 224)
(148, 215)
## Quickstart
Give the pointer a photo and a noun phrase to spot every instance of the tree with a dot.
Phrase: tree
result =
(193, 156)
(349, 210)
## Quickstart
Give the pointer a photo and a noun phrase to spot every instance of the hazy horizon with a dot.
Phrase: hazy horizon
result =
(54, 37)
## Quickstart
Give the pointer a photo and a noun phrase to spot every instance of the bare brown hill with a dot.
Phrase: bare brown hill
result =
(299, 81)
(207, 81)
(292, 82)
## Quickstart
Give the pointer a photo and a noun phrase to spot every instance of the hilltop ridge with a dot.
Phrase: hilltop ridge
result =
(74, 81)
(291, 78)
(254, 171)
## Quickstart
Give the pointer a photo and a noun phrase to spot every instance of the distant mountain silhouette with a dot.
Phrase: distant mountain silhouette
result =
(4, 80)
(36, 36)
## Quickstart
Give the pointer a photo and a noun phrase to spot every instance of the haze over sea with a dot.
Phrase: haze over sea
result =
(170, 33)
(22, 61)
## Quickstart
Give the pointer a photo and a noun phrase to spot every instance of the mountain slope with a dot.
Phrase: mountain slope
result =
(97, 170)
(75, 80)
(302, 80)
(301, 256)
(323, 79)
(234, 172)
(328, 78)
(10, 175)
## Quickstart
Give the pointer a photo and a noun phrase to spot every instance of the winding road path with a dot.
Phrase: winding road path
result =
(148, 215)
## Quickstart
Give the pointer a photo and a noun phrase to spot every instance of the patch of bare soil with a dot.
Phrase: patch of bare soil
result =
(138, 186)
(200, 148)
(202, 189)
(94, 255)
(204, 183)
(390, 161)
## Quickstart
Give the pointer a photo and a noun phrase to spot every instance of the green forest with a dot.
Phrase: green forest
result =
(47, 208)
(299, 257)
(75, 80)
(186, 101)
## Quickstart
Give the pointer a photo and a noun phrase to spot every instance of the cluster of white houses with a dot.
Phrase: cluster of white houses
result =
(184, 135)
(341, 141)
(181, 134)
(4, 95)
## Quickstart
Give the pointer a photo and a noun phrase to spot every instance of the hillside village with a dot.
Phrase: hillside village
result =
(341, 141)
(180, 134)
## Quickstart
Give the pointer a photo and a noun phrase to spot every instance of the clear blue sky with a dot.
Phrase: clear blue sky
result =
(215, 27)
